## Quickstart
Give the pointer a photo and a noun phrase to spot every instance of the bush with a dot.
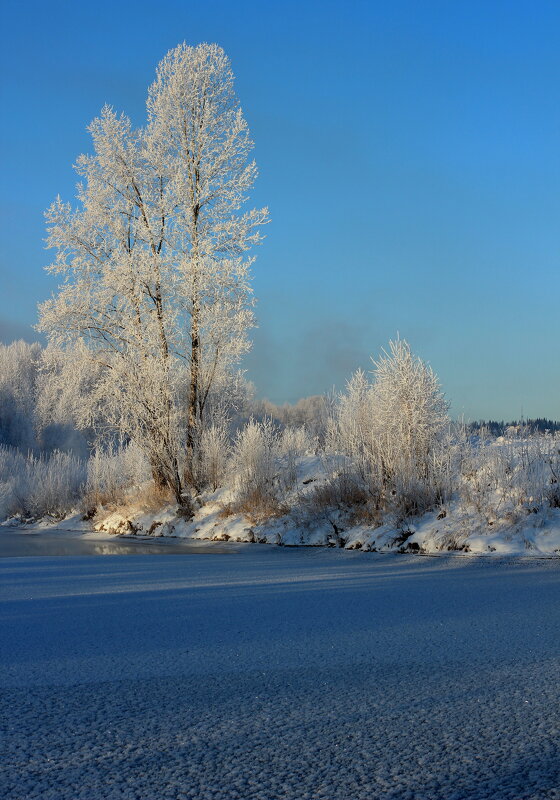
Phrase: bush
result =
(111, 473)
(292, 444)
(253, 470)
(36, 486)
(395, 430)
(212, 454)
(262, 468)
(510, 478)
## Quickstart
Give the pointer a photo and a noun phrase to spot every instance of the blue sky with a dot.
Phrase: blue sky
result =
(409, 153)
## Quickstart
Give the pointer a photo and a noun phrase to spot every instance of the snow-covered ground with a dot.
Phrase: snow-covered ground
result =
(280, 673)
(501, 528)
(495, 513)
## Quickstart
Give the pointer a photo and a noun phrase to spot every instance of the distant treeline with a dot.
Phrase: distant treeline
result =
(539, 425)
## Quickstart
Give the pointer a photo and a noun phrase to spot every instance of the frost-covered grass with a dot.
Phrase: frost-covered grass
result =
(55, 484)
(37, 486)
(280, 674)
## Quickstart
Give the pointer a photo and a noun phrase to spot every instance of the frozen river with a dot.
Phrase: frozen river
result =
(52, 542)
(269, 673)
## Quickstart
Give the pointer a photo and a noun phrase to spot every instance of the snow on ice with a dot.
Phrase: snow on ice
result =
(276, 673)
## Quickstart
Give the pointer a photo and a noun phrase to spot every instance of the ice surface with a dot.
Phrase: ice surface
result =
(280, 673)
(16, 542)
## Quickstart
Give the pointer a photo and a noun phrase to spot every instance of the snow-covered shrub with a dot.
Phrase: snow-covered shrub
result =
(311, 413)
(55, 484)
(411, 424)
(254, 456)
(254, 472)
(552, 460)
(111, 473)
(508, 478)
(36, 486)
(212, 453)
(293, 443)
(65, 388)
(477, 480)
(13, 482)
(8, 506)
(395, 430)
(19, 364)
(353, 430)
(355, 481)
(542, 467)
(343, 491)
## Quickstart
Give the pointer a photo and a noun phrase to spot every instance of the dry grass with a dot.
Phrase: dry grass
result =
(155, 496)
(346, 492)
(96, 498)
(151, 498)
(256, 505)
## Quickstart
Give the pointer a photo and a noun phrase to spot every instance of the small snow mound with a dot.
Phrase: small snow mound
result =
(116, 524)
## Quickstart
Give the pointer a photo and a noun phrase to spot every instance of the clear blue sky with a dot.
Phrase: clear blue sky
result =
(409, 153)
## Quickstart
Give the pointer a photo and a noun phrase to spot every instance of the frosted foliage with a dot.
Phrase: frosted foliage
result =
(353, 426)
(408, 406)
(396, 431)
(311, 413)
(37, 486)
(254, 458)
(293, 443)
(55, 484)
(229, 399)
(13, 481)
(19, 363)
(212, 455)
(156, 300)
(109, 473)
(69, 388)
(263, 469)
(509, 479)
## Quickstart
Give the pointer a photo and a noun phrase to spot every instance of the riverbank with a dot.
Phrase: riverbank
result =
(441, 531)
(449, 529)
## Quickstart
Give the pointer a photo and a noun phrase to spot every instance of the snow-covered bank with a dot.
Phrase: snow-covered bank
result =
(280, 674)
(504, 499)
(537, 534)
(434, 533)
(503, 526)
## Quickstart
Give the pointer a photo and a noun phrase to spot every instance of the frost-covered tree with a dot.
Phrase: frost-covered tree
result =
(394, 430)
(19, 364)
(156, 298)
(66, 414)
(353, 423)
(409, 410)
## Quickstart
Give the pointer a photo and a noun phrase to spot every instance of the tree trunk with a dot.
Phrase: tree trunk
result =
(169, 479)
(193, 394)
(192, 419)
(158, 476)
